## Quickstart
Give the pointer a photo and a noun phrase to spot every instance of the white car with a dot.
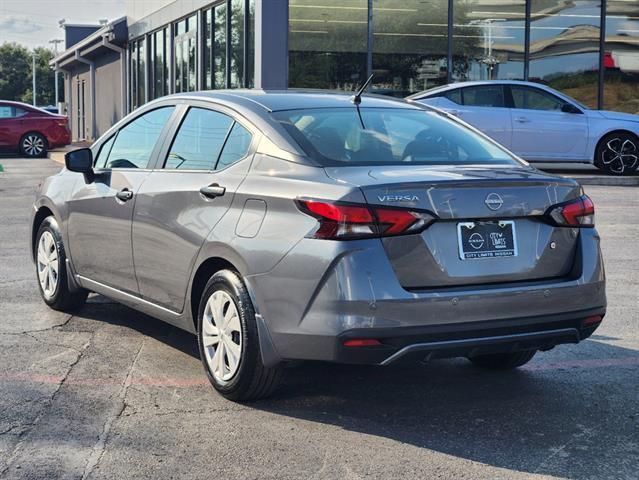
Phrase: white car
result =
(541, 124)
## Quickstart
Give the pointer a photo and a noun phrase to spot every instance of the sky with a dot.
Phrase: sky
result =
(34, 22)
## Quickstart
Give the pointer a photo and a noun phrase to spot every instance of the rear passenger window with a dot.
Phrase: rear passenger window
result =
(454, 96)
(7, 111)
(236, 147)
(484, 96)
(534, 99)
(199, 140)
(135, 142)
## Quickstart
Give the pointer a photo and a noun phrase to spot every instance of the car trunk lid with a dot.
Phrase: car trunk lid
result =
(493, 201)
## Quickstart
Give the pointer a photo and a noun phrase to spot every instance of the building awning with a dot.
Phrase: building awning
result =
(115, 32)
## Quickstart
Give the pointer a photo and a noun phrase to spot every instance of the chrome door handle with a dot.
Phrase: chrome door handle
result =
(125, 195)
(212, 191)
(522, 120)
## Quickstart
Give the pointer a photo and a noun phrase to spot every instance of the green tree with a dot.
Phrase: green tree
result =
(16, 74)
(15, 71)
(45, 81)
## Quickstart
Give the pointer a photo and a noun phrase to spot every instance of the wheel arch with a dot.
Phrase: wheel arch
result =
(608, 133)
(44, 137)
(204, 272)
(201, 277)
(43, 212)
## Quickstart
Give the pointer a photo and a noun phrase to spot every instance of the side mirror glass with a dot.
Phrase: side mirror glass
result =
(80, 161)
(569, 108)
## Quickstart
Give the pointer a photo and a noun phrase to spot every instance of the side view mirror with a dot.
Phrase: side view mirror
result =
(570, 108)
(81, 161)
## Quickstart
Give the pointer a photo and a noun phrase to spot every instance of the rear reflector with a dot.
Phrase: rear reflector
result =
(590, 321)
(347, 221)
(362, 342)
(579, 212)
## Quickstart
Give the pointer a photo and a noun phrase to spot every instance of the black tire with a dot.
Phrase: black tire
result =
(61, 298)
(503, 361)
(252, 380)
(618, 154)
(33, 145)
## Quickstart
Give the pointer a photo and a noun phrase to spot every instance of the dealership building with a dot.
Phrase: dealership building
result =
(588, 49)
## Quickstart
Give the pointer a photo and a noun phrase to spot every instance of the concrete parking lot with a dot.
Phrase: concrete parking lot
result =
(111, 393)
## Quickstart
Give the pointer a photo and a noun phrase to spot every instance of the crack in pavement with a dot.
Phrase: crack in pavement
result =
(45, 408)
(100, 446)
(52, 327)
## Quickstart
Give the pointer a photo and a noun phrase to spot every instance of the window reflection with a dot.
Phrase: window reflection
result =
(410, 45)
(327, 43)
(159, 67)
(185, 44)
(219, 47)
(237, 43)
(488, 40)
(564, 47)
(621, 60)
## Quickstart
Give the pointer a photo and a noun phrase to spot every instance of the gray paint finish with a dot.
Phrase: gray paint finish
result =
(308, 291)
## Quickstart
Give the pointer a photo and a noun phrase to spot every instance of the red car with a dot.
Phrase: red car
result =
(30, 130)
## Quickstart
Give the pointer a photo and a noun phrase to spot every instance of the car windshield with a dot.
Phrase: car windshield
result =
(387, 136)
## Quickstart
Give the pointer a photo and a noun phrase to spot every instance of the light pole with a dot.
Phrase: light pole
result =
(55, 42)
(33, 76)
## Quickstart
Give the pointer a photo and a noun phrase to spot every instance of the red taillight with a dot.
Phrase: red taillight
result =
(575, 213)
(342, 221)
(591, 321)
(362, 342)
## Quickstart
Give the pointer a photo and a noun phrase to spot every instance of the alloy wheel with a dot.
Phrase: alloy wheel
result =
(620, 155)
(222, 336)
(48, 265)
(33, 145)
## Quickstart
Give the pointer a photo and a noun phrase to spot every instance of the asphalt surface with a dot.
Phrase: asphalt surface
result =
(111, 393)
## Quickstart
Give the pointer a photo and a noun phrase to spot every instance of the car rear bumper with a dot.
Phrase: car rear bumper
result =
(467, 340)
(354, 293)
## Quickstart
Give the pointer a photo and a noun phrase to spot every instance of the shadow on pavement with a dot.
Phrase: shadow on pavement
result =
(566, 420)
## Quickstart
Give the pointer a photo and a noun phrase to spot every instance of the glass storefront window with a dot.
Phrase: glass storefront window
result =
(185, 45)
(564, 47)
(159, 65)
(133, 68)
(410, 45)
(250, 44)
(138, 73)
(328, 43)
(237, 43)
(621, 57)
(208, 49)
(219, 46)
(488, 40)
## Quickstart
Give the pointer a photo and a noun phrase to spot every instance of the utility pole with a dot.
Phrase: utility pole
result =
(33, 75)
(55, 42)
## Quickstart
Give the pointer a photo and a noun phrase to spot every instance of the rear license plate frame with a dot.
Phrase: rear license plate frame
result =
(488, 245)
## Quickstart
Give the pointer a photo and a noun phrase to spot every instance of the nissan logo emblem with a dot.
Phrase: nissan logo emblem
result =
(493, 201)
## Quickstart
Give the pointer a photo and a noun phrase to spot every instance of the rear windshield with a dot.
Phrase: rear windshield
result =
(387, 136)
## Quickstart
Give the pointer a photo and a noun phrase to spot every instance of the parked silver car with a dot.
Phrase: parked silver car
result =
(541, 124)
(283, 226)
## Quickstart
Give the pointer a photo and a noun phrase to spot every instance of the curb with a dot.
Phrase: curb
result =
(57, 156)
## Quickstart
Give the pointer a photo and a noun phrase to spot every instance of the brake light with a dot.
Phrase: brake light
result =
(575, 213)
(346, 221)
(362, 342)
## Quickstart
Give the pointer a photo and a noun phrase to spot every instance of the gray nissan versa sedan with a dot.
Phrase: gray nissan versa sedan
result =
(283, 226)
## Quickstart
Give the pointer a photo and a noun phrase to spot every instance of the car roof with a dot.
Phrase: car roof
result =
(280, 100)
(452, 86)
(16, 104)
